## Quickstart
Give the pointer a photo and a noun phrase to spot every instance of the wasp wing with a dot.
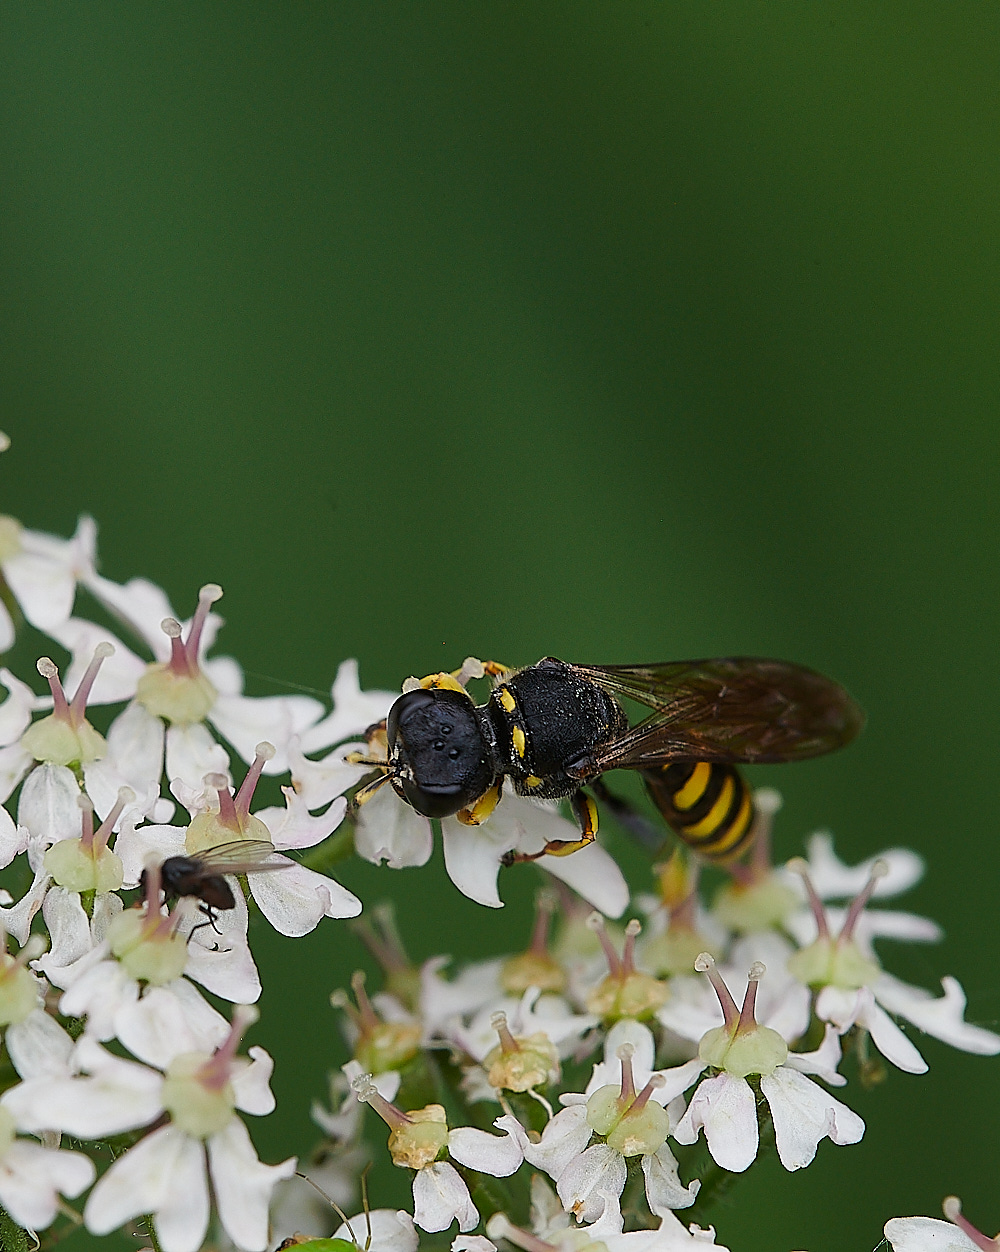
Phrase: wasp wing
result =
(747, 710)
(242, 856)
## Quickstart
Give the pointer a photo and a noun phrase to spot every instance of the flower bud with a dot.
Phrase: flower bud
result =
(181, 699)
(421, 1139)
(520, 1063)
(197, 1108)
(76, 869)
(148, 953)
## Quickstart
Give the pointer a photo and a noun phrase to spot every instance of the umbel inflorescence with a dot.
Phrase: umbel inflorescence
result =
(590, 1090)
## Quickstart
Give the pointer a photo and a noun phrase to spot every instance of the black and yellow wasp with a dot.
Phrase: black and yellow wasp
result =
(553, 729)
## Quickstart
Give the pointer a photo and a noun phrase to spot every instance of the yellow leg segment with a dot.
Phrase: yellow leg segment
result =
(585, 811)
(477, 813)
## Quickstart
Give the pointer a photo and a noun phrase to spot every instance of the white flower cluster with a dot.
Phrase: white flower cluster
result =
(542, 1101)
(688, 1042)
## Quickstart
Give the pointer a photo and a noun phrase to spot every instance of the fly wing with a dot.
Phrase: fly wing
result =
(741, 710)
(242, 856)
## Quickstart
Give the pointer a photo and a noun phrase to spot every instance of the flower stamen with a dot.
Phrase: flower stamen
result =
(951, 1206)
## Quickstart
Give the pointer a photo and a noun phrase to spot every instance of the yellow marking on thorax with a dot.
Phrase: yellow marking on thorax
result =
(716, 813)
(438, 682)
(517, 738)
(533, 781)
(694, 788)
(507, 699)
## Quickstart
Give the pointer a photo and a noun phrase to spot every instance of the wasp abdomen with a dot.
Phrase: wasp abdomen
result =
(707, 804)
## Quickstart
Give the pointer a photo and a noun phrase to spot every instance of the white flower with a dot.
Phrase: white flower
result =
(42, 572)
(927, 1234)
(293, 899)
(167, 1172)
(853, 989)
(182, 686)
(625, 1103)
(417, 1139)
(32, 1177)
(724, 1105)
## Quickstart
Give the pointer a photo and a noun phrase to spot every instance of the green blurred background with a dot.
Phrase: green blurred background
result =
(613, 331)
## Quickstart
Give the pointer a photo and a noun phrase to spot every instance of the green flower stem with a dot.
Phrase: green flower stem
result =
(12, 1237)
(339, 847)
(716, 1181)
(490, 1195)
(154, 1243)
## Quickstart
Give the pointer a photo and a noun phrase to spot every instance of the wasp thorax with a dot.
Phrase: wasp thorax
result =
(439, 758)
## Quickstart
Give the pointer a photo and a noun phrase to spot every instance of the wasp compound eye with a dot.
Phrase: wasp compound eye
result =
(441, 758)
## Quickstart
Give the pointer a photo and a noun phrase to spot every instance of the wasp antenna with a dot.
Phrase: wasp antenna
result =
(366, 792)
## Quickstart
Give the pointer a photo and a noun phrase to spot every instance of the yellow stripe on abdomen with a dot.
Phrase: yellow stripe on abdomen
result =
(692, 791)
(716, 814)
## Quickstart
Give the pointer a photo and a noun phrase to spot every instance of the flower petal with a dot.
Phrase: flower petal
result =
(390, 830)
(564, 1138)
(354, 710)
(48, 804)
(243, 1185)
(32, 1177)
(592, 1182)
(441, 1197)
(38, 1046)
(472, 856)
(926, 1234)
(295, 827)
(594, 874)
(726, 1108)
(803, 1114)
(834, 880)
(251, 1084)
(664, 1189)
(164, 1174)
(168, 1021)
(16, 710)
(192, 753)
(244, 721)
(943, 1017)
(120, 1096)
(499, 1155)
(824, 1061)
(296, 899)
(391, 1230)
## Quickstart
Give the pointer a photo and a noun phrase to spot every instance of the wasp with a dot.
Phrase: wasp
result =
(553, 729)
(202, 875)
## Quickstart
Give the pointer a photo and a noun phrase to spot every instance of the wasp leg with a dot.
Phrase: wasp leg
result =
(477, 813)
(647, 833)
(585, 811)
